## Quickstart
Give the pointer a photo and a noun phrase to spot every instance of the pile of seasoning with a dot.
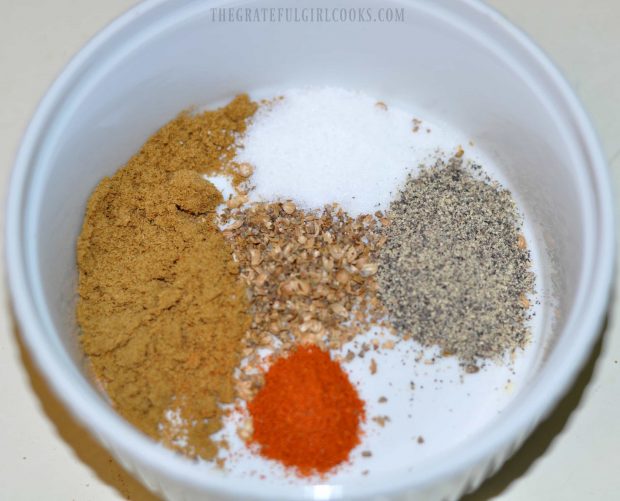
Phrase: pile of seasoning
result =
(307, 415)
(455, 271)
(189, 302)
(321, 145)
(161, 308)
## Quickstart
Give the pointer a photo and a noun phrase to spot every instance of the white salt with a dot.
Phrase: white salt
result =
(323, 145)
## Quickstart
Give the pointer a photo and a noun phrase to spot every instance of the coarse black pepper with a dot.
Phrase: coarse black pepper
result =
(455, 271)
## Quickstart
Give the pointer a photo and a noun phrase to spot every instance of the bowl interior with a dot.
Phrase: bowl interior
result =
(448, 60)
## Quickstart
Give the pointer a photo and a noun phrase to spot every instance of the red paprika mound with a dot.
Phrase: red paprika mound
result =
(308, 414)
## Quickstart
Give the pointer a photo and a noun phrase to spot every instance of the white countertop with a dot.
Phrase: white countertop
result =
(44, 454)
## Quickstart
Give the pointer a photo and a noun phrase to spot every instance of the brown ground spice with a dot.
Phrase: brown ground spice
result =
(161, 307)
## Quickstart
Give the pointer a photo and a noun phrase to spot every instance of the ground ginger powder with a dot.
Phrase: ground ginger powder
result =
(161, 308)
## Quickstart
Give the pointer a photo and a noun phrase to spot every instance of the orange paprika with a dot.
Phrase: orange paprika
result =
(308, 414)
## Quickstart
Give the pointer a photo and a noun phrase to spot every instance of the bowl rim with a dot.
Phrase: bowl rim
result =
(124, 440)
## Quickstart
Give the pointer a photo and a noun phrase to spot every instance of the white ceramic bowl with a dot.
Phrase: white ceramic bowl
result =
(461, 61)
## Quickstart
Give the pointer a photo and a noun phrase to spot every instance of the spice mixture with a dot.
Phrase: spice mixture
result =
(161, 307)
(188, 301)
(307, 415)
(454, 271)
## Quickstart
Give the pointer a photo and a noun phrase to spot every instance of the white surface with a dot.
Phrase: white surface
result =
(597, 427)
